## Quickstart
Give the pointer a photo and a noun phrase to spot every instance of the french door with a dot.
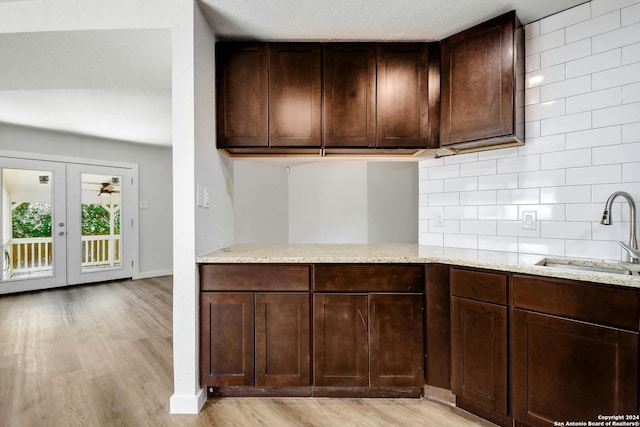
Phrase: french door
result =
(63, 224)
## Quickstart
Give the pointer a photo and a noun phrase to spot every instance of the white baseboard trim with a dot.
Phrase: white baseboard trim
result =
(149, 274)
(187, 403)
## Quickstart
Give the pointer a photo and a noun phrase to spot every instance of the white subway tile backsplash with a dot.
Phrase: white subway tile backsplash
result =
(622, 153)
(618, 231)
(545, 76)
(594, 174)
(498, 243)
(594, 100)
(486, 167)
(598, 25)
(565, 88)
(439, 172)
(631, 14)
(502, 212)
(461, 212)
(564, 124)
(616, 38)
(461, 184)
(572, 194)
(544, 42)
(547, 178)
(448, 226)
(423, 173)
(485, 197)
(594, 137)
(519, 164)
(601, 192)
(532, 128)
(498, 182)
(532, 96)
(431, 239)
(631, 172)
(565, 53)
(532, 63)
(460, 158)
(429, 212)
(631, 93)
(502, 153)
(514, 228)
(465, 241)
(444, 199)
(554, 212)
(594, 63)
(433, 186)
(532, 30)
(545, 110)
(616, 76)
(478, 227)
(518, 197)
(533, 245)
(589, 212)
(544, 144)
(631, 132)
(592, 249)
(565, 230)
(565, 159)
(630, 54)
(600, 7)
(627, 113)
(567, 17)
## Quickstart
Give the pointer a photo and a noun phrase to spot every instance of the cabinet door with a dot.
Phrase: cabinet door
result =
(242, 103)
(477, 82)
(226, 330)
(402, 95)
(282, 340)
(479, 353)
(570, 370)
(349, 94)
(295, 81)
(341, 348)
(396, 341)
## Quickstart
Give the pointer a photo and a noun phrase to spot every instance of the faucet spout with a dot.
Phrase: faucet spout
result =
(606, 220)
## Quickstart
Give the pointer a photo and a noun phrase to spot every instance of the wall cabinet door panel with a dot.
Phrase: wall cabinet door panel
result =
(396, 340)
(341, 348)
(295, 82)
(227, 345)
(283, 340)
(571, 370)
(242, 103)
(349, 95)
(479, 353)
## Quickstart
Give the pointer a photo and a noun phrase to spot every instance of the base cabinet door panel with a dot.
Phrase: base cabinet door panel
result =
(282, 340)
(571, 370)
(227, 347)
(396, 340)
(341, 349)
(479, 353)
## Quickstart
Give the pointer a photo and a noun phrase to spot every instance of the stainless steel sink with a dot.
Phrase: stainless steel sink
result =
(613, 267)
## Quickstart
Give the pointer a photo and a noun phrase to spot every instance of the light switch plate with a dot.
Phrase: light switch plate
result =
(529, 220)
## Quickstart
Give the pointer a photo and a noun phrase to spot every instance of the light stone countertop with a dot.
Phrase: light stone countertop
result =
(411, 253)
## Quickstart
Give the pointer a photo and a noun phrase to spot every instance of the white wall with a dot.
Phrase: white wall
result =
(582, 143)
(154, 186)
(261, 202)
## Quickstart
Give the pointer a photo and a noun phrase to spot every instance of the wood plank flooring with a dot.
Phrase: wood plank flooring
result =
(101, 355)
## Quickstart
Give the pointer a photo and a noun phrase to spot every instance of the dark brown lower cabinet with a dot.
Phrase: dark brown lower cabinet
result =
(341, 348)
(571, 370)
(479, 353)
(227, 339)
(396, 356)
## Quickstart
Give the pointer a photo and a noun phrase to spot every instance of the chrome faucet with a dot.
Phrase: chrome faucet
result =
(632, 246)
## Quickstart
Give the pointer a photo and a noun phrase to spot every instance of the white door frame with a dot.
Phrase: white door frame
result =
(135, 197)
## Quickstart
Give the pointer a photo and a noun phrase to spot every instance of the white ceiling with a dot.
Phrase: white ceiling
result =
(117, 83)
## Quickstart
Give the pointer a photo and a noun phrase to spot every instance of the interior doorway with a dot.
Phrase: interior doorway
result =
(64, 224)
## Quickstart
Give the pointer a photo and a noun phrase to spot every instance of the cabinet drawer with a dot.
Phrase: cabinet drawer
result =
(369, 278)
(254, 277)
(580, 300)
(479, 285)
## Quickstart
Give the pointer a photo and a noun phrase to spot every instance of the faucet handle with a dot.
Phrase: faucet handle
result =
(634, 254)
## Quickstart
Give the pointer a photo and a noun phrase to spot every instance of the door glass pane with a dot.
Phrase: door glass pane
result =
(100, 222)
(27, 239)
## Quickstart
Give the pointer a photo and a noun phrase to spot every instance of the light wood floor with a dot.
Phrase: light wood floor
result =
(100, 355)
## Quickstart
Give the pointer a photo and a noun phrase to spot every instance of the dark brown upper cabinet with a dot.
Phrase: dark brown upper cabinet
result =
(402, 95)
(482, 86)
(349, 95)
(242, 82)
(295, 95)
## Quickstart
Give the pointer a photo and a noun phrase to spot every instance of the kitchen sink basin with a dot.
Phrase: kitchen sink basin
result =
(613, 267)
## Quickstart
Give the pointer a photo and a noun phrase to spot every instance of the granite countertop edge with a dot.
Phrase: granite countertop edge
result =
(411, 254)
